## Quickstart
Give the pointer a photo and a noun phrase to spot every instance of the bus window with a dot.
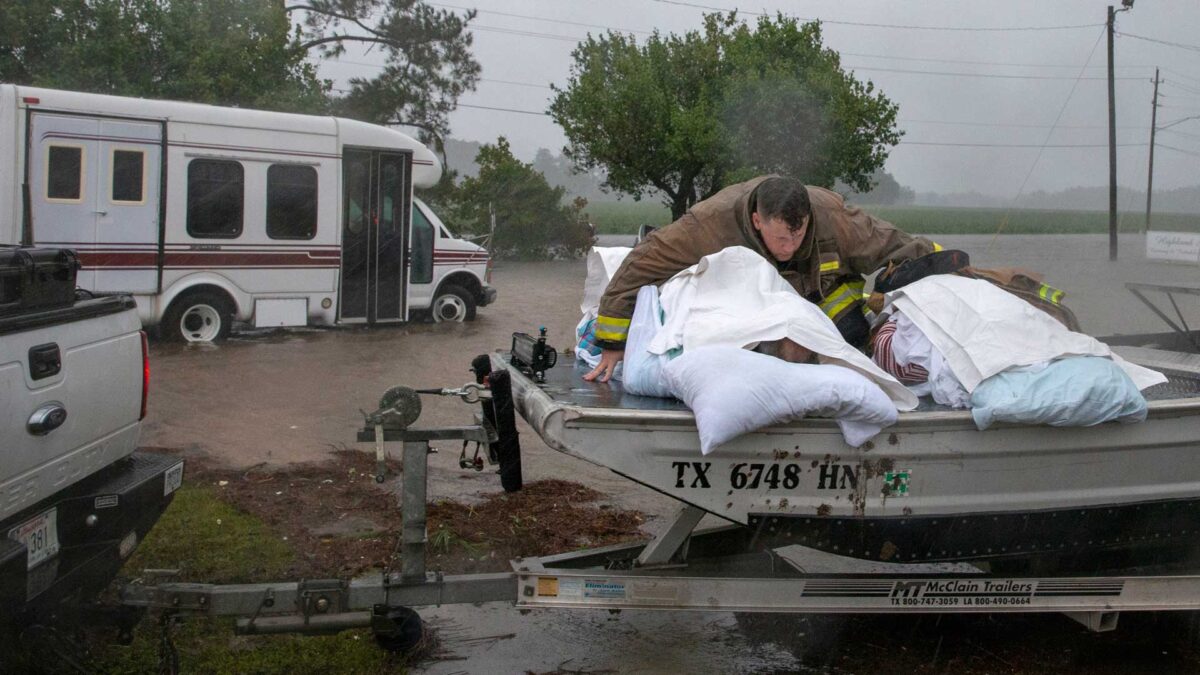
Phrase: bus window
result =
(216, 193)
(128, 177)
(422, 247)
(291, 201)
(64, 173)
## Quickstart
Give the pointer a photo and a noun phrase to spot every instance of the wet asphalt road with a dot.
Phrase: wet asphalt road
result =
(293, 396)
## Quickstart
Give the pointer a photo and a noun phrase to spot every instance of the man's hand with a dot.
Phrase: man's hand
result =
(609, 358)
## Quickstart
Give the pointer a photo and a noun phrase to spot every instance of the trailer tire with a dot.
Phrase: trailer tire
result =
(452, 303)
(199, 316)
(397, 629)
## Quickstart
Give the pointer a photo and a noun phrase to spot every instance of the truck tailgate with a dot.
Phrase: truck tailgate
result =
(99, 386)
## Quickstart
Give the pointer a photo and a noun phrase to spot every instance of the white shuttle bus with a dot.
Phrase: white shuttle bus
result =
(208, 214)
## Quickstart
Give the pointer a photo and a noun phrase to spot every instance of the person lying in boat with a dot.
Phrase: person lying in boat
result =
(817, 242)
(969, 343)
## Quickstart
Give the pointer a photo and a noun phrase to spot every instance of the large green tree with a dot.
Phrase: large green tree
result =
(252, 53)
(689, 114)
(531, 220)
(232, 52)
(428, 58)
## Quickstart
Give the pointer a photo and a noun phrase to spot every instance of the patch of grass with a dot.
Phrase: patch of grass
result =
(209, 646)
(209, 540)
(625, 217)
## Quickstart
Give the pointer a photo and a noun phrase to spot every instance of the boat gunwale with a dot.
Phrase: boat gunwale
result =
(576, 416)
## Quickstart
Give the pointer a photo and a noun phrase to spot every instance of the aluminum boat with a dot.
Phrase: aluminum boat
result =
(930, 488)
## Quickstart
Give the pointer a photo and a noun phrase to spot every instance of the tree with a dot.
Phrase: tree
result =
(429, 62)
(690, 114)
(885, 189)
(252, 53)
(231, 52)
(531, 221)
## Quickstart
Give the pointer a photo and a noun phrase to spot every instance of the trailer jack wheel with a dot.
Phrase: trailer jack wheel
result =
(396, 629)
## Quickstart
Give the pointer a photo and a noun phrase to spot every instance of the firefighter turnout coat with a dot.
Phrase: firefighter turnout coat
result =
(842, 244)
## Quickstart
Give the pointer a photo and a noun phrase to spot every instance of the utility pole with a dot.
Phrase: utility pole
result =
(1112, 142)
(1153, 128)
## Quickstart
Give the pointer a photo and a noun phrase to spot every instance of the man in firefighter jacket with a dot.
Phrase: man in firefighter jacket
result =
(821, 246)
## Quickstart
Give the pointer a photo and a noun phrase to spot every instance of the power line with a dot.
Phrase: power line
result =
(1186, 152)
(1017, 124)
(1180, 45)
(892, 57)
(511, 110)
(541, 18)
(525, 33)
(482, 79)
(1191, 90)
(1179, 74)
(985, 75)
(1022, 145)
(1181, 133)
(889, 25)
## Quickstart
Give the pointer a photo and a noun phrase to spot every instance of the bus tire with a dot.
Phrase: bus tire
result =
(198, 316)
(452, 303)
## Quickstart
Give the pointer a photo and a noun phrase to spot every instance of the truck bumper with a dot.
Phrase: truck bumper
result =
(99, 522)
(487, 296)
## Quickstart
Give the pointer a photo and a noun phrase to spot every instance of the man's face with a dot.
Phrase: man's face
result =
(780, 240)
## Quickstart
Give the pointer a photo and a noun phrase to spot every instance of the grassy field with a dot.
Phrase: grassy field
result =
(626, 216)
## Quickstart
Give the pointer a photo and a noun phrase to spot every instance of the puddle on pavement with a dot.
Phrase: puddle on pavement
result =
(496, 637)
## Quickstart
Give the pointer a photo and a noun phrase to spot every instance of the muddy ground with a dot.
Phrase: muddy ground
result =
(249, 411)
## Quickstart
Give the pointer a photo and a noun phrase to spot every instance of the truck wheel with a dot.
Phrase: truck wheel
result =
(202, 316)
(453, 303)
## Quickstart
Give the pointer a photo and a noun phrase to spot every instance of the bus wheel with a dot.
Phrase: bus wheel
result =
(453, 303)
(202, 316)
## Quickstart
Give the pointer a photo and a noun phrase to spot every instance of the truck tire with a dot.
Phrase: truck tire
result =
(200, 316)
(453, 303)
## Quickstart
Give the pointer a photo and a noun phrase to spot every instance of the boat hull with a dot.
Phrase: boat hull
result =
(930, 488)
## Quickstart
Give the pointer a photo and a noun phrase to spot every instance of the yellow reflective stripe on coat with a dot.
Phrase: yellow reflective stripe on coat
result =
(1050, 293)
(830, 266)
(842, 297)
(937, 247)
(610, 328)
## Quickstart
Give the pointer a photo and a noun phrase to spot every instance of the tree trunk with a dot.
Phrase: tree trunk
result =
(684, 197)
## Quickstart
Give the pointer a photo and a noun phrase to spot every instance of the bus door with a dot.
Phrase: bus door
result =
(376, 207)
(95, 187)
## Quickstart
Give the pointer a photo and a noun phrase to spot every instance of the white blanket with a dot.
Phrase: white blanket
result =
(736, 298)
(982, 330)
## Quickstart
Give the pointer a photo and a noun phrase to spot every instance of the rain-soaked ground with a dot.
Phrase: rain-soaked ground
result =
(289, 396)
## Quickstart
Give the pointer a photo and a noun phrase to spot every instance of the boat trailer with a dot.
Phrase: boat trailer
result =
(680, 568)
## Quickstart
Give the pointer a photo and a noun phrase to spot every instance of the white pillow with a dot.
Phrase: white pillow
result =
(732, 392)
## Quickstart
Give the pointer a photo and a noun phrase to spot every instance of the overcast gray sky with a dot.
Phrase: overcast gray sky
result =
(1006, 87)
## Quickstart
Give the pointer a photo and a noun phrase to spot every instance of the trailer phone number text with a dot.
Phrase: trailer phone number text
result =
(960, 601)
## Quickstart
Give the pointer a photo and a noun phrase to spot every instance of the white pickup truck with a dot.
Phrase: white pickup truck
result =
(75, 498)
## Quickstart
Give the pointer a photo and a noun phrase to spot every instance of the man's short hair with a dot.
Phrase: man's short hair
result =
(785, 198)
